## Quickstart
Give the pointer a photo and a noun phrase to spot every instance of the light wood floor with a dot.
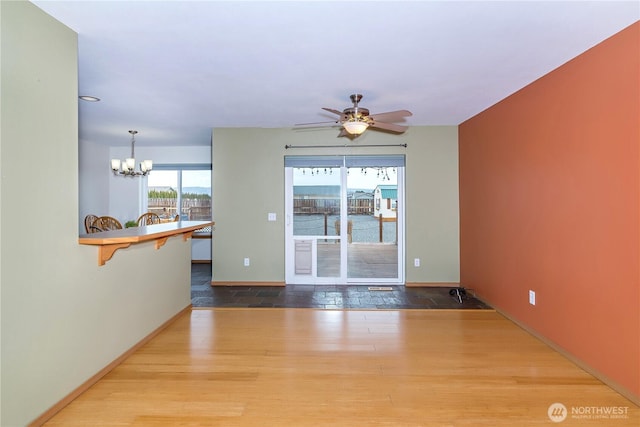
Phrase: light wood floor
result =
(303, 367)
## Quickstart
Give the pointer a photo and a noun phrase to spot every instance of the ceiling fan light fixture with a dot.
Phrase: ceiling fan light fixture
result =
(355, 120)
(355, 127)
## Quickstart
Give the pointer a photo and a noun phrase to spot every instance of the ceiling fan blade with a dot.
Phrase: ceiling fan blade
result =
(331, 110)
(391, 116)
(343, 132)
(332, 122)
(389, 126)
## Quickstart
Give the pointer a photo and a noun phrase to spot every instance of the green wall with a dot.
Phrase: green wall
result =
(248, 183)
(63, 318)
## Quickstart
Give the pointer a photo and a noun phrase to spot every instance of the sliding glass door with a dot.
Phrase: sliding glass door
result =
(344, 219)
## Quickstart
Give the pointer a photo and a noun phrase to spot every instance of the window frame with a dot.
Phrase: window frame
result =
(180, 168)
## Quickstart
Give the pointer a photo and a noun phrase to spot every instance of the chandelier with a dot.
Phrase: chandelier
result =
(129, 164)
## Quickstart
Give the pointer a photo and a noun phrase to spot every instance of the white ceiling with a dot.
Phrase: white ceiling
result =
(175, 69)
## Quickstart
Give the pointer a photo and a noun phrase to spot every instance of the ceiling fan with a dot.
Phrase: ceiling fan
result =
(355, 120)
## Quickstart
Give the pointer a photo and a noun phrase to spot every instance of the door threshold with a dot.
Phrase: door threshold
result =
(380, 288)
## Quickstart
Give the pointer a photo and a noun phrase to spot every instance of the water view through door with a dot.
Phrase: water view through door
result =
(344, 222)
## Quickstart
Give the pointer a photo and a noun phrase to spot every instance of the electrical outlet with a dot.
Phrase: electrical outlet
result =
(416, 262)
(247, 262)
(271, 216)
(532, 298)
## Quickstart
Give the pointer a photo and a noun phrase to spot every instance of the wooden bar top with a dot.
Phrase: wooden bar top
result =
(112, 240)
(142, 234)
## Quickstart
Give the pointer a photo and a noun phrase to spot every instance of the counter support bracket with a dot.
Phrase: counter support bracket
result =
(105, 252)
(161, 241)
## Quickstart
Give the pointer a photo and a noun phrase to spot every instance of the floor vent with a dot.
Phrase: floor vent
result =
(380, 288)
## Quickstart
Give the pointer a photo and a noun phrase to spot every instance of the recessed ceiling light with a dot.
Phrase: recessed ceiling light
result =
(89, 98)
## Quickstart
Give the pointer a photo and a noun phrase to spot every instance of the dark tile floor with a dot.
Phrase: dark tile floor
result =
(327, 297)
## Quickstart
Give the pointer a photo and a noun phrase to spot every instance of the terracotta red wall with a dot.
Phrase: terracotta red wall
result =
(549, 201)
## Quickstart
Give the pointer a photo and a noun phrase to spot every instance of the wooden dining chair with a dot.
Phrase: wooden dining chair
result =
(107, 223)
(88, 222)
(148, 219)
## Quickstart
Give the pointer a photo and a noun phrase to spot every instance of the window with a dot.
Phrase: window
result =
(183, 190)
